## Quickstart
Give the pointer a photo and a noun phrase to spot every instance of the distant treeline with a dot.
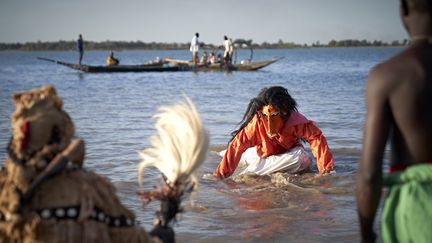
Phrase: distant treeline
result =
(91, 45)
(139, 45)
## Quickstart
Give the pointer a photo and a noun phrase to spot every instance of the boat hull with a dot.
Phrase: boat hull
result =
(153, 67)
(168, 65)
(248, 66)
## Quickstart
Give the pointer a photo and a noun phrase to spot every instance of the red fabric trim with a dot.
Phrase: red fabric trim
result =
(400, 167)
(25, 129)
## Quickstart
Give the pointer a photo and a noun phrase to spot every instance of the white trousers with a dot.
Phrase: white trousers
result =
(293, 161)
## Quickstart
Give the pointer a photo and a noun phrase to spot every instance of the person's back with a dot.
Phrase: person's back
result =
(407, 84)
(399, 111)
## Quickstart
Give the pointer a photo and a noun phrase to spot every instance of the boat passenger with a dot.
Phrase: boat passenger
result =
(212, 58)
(276, 129)
(204, 59)
(111, 60)
(219, 58)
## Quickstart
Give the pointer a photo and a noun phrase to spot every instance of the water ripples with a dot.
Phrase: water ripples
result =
(112, 113)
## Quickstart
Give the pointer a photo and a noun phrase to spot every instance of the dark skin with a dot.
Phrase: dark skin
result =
(398, 105)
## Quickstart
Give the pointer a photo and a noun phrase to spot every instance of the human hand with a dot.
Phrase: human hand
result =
(165, 233)
(331, 172)
(209, 177)
(218, 175)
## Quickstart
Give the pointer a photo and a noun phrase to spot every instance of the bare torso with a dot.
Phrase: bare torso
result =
(399, 111)
(407, 80)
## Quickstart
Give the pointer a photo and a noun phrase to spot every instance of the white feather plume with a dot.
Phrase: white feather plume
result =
(181, 146)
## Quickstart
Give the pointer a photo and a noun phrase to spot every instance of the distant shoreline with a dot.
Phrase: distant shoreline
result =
(139, 45)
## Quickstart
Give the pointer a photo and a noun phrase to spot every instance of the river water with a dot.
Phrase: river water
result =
(112, 113)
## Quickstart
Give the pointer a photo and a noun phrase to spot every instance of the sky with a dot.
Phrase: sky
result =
(298, 21)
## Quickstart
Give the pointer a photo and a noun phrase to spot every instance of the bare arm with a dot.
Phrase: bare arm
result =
(233, 155)
(376, 132)
(318, 144)
(245, 139)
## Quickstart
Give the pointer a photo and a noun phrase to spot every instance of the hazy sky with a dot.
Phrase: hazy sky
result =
(299, 21)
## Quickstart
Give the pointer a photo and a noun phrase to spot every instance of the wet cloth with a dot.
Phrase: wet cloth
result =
(407, 213)
(294, 161)
(254, 135)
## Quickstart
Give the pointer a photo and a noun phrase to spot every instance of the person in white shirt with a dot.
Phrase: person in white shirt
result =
(194, 47)
(228, 49)
(231, 49)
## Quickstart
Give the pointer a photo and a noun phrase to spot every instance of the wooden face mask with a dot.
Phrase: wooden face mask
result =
(273, 120)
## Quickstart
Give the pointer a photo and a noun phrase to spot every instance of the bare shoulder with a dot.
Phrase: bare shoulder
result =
(386, 75)
(392, 66)
(380, 80)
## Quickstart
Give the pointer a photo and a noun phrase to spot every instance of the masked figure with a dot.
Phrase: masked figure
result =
(45, 193)
(269, 138)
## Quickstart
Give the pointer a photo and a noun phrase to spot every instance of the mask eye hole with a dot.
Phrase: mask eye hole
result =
(276, 113)
(264, 114)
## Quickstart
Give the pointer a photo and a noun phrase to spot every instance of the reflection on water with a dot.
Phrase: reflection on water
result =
(80, 76)
(285, 207)
(112, 113)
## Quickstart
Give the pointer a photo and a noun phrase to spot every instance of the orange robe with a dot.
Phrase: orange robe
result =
(254, 134)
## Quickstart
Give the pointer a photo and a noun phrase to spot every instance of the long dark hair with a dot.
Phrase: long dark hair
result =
(276, 96)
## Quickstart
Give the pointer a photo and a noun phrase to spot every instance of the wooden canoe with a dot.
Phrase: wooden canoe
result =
(150, 67)
(247, 66)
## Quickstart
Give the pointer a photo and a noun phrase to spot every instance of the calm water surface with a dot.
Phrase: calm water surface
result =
(112, 113)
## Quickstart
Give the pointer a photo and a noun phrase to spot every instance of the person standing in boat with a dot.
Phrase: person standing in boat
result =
(80, 46)
(194, 48)
(276, 129)
(231, 49)
(227, 44)
(398, 108)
